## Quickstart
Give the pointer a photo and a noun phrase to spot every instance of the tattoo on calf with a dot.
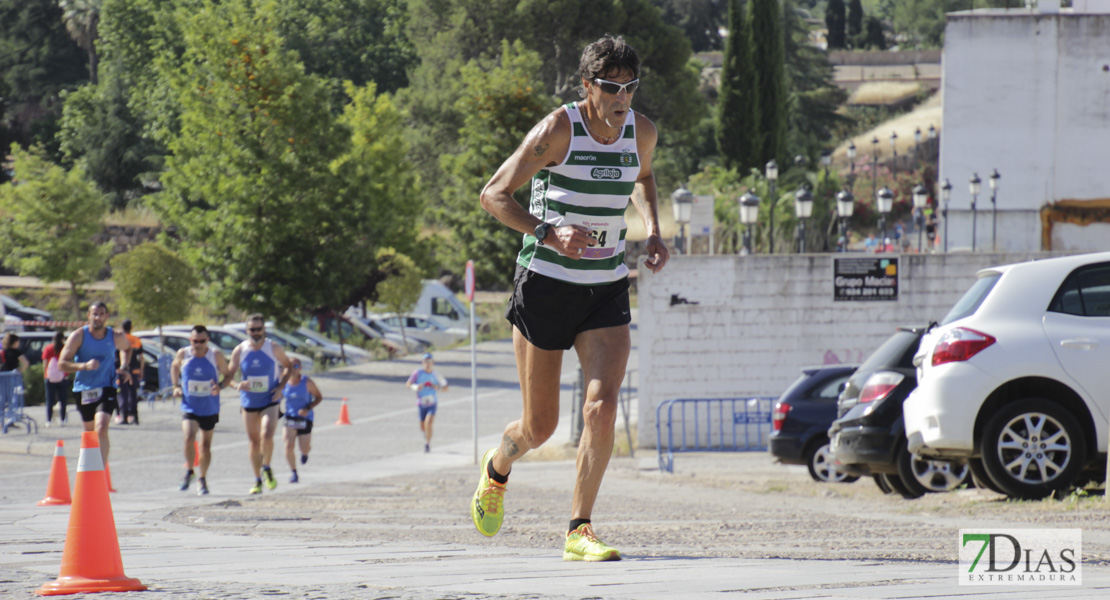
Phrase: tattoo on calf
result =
(509, 447)
(541, 149)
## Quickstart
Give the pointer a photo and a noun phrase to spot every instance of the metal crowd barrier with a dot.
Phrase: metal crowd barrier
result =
(711, 425)
(11, 403)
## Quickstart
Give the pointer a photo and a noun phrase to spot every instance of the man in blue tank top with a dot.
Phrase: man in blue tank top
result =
(584, 161)
(263, 370)
(301, 396)
(196, 373)
(90, 352)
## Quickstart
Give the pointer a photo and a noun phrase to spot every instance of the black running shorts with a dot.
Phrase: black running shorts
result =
(550, 313)
(106, 404)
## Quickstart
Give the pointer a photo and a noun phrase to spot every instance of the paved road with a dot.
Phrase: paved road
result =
(347, 531)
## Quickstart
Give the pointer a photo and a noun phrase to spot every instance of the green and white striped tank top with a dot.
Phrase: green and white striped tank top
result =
(591, 186)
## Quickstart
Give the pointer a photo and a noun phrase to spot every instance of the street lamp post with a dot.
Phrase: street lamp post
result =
(682, 201)
(932, 132)
(749, 214)
(885, 202)
(946, 195)
(974, 184)
(852, 167)
(994, 210)
(826, 160)
(916, 143)
(772, 177)
(894, 154)
(920, 197)
(874, 165)
(803, 209)
(845, 204)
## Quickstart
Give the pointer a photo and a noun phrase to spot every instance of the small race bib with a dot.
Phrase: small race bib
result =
(427, 400)
(90, 396)
(296, 422)
(200, 388)
(606, 230)
(258, 384)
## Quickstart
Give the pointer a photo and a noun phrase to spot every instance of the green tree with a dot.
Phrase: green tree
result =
(52, 216)
(815, 99)
(249, 183)
(81, 18)
(835, 24)
(765, 25)
(855, 18)
(738, 135)
(401, 284)
(699, 20)
(99, 131)
(38, 60)
(154, 284)
(874, 37)
(501, 101)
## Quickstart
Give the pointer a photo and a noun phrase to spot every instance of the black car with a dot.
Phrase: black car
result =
(26, 313)
(801, 418)
(868, 436)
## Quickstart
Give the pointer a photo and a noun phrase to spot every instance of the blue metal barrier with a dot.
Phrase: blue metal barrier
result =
(716, 425)
(11, 403)
(165, 381)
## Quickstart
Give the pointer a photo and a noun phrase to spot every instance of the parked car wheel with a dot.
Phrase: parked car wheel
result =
(1032, 448)
(980, 477)
(931, 476)
(896, 484)
(883, 485)
(822, 465)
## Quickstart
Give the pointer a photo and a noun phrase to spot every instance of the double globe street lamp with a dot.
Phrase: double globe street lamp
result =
(920, 197)
(772, 177)
(682, 201)
(749, 214)
(946, 195)
(974, 184)
(994, 209)
(845, 204)
(803, 209)
(884, 201)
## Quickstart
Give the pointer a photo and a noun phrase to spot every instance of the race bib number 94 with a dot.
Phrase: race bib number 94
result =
(605, 230)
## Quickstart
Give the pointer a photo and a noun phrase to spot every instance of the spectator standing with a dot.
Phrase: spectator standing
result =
(55, 379)
(11, 357)
(129, 392)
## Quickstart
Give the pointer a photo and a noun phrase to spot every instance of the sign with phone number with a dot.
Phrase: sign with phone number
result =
(865, 279)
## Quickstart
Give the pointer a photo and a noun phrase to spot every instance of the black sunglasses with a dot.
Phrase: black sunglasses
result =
(255, 329)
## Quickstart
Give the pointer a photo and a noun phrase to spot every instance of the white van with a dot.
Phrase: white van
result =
(436, 303)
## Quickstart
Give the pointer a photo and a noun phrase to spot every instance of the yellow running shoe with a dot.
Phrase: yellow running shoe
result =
(487, 508)
(582, 544)
(268, 475)
(257, 489)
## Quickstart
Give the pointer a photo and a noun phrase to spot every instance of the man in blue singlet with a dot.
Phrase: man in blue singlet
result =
(196, 374)
(263, 370)
(301, 396)
(90, 352)
(583, 163)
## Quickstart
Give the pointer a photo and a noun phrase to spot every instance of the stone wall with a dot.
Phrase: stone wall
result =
(728, 326)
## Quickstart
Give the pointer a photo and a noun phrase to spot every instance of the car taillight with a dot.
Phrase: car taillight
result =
(960, 344)
(879, 385)
(778, 415)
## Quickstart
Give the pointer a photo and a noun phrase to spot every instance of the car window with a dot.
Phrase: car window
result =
(972, 299)
(830, 390)
(1085, 293)
(897, 351)
(224, 340)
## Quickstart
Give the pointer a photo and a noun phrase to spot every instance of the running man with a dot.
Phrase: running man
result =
(90, 352)
(584, 161)
(263, 369)
(301, 396)
(196, 374)
(425, 382)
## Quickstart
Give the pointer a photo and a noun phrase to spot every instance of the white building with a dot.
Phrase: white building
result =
(1027, 92)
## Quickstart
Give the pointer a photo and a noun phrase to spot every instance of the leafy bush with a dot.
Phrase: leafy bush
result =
(34, 388)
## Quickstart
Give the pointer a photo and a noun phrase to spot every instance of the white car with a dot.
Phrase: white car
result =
(223, 339)
(419, 327)
(1017, 377)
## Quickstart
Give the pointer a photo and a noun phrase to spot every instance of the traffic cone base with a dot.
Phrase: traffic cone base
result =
(343, 418)
(91, 559)
(57, 487)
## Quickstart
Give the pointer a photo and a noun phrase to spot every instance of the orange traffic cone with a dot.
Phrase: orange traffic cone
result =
(57, 487)
(108, 475)
(91, 561)
(343, 419)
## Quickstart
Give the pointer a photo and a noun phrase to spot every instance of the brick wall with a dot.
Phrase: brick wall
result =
(722, 326)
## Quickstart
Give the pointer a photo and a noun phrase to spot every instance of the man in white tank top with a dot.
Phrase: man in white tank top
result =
(571, 291)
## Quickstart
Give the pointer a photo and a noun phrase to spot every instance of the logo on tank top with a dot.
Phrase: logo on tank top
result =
(255, 362)
(198, 371)
(626, 158)
(605, 173)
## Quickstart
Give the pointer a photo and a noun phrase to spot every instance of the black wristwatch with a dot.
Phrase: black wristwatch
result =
(541, 232)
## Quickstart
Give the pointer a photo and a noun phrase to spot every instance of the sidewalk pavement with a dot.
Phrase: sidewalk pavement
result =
(179, 561)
